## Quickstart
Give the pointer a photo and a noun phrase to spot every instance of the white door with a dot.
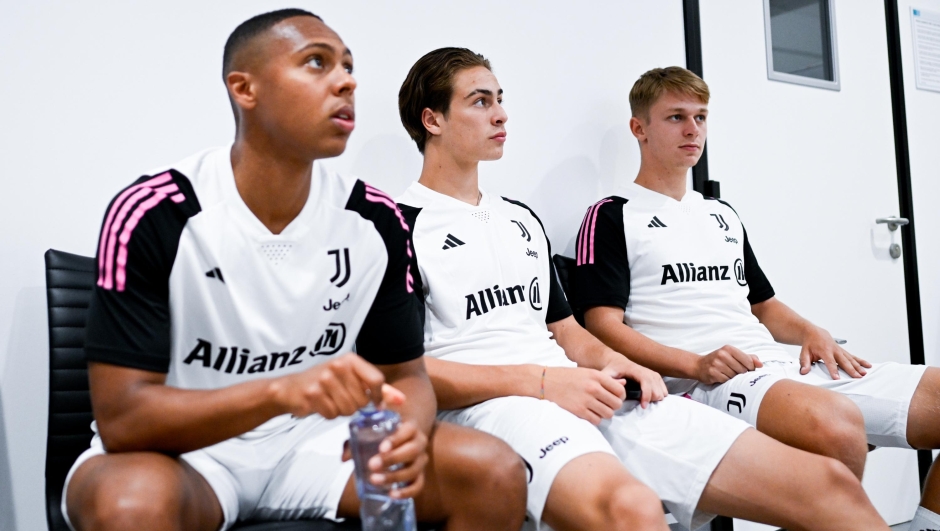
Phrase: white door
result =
(809, 170)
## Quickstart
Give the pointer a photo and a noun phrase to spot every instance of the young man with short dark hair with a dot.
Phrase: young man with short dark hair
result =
(669, 277)
(507, 357)
(228, 286)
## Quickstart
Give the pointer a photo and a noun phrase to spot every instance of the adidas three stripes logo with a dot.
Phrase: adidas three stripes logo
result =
(655, 223)
(451, 241)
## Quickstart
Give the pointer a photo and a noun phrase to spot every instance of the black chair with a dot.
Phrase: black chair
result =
(69, 281)
(564, 266)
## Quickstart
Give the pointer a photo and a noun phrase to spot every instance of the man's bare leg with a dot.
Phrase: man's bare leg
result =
(816, 420)
(142, 491)
(757, 480)
(923, 431)
(595, 491)
(473, 481)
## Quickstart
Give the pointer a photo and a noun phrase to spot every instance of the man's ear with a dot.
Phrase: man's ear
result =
(241, 89)
(638, 128)
(431, 121)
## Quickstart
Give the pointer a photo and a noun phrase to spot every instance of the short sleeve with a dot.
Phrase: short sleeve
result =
(558, 307)
(129, 315)
(411, 217)
(759, 287)
(392, 331)
(601, 276)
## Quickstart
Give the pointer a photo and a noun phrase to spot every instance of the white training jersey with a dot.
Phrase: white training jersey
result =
(683, 271)
(486, 278)
(192, 284)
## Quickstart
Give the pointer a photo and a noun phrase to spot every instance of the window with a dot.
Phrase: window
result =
(801, 42)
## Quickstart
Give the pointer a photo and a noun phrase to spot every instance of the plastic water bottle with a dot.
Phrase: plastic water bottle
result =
(379, 512)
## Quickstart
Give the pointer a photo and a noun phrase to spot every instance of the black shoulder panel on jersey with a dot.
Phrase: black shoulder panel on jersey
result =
(602, 274)
(759, 288)
(392, 331)
(411, 216)
(558, 307)
(129, 314)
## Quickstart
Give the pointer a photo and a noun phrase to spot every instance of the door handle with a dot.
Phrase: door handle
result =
(893, 222)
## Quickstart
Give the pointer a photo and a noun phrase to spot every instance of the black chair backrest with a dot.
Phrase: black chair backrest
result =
(565, 268)
(70, 279)
(69, 282)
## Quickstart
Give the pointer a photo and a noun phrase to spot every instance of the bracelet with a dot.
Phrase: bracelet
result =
(542, 389)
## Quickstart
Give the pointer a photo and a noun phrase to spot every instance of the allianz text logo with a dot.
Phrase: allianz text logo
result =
(681, 272)
(232, 360)
(489, 299)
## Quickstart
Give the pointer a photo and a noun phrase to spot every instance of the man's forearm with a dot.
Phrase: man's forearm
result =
(640, 349)
(460, 385)
(784, 324)
(420, 401)
(156, 417)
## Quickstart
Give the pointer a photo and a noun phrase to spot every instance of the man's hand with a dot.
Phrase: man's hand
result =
(818, 345)
(651, 383)
(400, 462)
(724, 364)
(338, 387)
(590, 394)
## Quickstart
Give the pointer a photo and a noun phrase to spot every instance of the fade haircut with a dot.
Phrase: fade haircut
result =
(430, 85)
(251, 28)
(653, 84)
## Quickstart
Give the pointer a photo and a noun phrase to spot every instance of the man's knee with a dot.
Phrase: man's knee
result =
(839, 482)
(841, 426)
(496, 466)
(132, 498)
(634, 506)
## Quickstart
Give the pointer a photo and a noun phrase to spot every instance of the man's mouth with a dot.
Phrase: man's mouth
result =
(499, 137)
(345, 119)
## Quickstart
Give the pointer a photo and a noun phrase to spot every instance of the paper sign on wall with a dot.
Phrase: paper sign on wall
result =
(925, 28)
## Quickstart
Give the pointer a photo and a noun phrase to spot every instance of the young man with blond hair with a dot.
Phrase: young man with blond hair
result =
(506, 356)
(670, 277)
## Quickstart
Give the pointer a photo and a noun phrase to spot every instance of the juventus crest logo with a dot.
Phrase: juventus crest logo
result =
(736, 403)
(722, 224)
(342, 267)
(525, 232)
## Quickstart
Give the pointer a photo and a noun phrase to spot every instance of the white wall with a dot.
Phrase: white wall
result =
(94, 94)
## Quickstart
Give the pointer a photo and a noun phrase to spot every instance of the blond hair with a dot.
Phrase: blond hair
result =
(654, 83)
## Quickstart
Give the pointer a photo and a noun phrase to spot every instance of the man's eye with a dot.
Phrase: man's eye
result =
(700, 118)
(316, 62)
(348, 68)
(480, 102)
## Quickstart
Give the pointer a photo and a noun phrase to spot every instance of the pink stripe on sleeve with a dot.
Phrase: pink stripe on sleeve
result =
(154, 200)
(387, 201)
(108, 281)
(594, 224)
(582, 234)
(115, 207)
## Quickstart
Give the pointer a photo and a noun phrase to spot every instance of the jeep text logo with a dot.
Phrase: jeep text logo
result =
(688, 272)
(550, 447)
(233, 360)
(491, 298)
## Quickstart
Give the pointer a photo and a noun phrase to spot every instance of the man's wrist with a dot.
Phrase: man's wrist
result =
(689, 364)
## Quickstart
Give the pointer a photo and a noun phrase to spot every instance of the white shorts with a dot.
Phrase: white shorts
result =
(293, 473)
(883, 394)
(673, 446)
